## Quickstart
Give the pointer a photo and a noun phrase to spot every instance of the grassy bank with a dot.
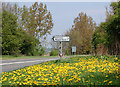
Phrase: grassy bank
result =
(23, 57)
(72, 71)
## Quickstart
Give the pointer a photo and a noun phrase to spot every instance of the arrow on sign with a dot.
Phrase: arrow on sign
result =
(60, 38)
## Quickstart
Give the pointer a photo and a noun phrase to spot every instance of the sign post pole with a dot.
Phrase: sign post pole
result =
(60, 39)
(61, 50)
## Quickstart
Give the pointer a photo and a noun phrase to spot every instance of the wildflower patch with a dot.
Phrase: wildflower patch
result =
(73, 71)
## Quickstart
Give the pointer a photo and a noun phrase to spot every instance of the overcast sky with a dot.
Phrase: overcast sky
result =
(63, 13)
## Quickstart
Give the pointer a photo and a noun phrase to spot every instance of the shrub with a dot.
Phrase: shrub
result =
(54, 53)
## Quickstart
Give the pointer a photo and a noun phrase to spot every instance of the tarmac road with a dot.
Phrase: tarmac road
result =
(13, 64)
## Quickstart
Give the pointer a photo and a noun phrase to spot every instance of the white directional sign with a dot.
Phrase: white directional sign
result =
(60, 38)
(73, 48)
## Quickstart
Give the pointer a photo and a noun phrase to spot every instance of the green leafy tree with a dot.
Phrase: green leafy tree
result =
(42, 51)
(99, 40)
(54, 52)
(34, 23)
(113, 29)
(15, 40)
(10, 42)
(29, 44)
(0, 31)
(107, 35)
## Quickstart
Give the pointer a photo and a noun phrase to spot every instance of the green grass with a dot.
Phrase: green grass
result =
(23, 57)
(3, 57)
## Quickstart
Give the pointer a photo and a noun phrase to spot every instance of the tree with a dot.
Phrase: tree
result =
(99, 40)
(0, 31)
(29, 45)
(37, 20)
(107, 35)
(15, 40)
(42, 51)
(81, 33)
(10, 42)
(113, 29)
(31, 26)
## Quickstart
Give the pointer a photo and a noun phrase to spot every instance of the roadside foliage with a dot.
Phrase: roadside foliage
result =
(73, 71)
(106, 38)
(81, 34)
(24, 29)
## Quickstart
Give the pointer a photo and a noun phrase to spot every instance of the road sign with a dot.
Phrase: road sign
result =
(60, 38)
(73, 48)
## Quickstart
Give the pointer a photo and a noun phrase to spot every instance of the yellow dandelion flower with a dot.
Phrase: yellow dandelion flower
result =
(20, 83)
(105, 80)
(110, 82)
(106, 75)
(9, 81)
(117, 77)
(17, 82)
(92, 75)
(69, 80)
(38, 78)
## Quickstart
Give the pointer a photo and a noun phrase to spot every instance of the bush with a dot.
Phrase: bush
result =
(42, 51)
(54, 53)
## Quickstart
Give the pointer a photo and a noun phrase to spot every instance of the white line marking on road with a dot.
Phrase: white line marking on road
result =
(25, 62)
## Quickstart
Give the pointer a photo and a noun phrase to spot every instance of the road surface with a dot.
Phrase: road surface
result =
(13, 64)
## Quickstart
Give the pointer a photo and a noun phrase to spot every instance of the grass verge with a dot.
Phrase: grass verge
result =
(3, 57)
(24, 57)
(73, 71)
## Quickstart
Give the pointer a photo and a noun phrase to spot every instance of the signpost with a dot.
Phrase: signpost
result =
(60, 39)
